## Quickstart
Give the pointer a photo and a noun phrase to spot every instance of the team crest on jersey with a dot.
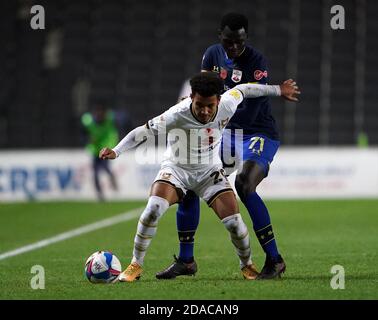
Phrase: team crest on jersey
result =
(258, 74)
(236, 75)
(223, 73)
(209, 131)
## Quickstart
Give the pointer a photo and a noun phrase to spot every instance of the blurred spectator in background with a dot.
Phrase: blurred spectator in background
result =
(100, 125)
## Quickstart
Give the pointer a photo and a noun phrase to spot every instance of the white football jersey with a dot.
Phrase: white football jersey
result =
(190, 143)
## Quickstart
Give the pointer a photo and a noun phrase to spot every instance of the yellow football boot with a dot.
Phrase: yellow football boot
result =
(131, 274)
(250, 272)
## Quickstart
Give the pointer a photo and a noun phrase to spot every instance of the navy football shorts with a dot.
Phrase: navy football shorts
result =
(237, 148)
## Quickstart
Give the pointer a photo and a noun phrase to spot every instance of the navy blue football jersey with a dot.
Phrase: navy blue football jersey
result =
(253, 115)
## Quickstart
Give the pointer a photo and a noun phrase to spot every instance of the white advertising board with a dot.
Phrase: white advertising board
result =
(295, 173)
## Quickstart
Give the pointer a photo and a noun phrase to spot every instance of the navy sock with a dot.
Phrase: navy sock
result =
(261, 224)
(187, 218)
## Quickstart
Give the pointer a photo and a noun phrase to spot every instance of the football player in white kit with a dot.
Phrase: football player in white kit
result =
(192, 162)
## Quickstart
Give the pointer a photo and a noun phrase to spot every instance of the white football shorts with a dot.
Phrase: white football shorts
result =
(207, 183)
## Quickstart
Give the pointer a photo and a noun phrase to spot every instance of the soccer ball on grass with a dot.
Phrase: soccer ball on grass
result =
(102, 267)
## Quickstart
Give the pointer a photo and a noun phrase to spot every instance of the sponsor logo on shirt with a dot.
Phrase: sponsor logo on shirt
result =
(258, 74)
(235, 93)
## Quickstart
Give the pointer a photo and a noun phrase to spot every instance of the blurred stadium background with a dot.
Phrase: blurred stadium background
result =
(134, 56)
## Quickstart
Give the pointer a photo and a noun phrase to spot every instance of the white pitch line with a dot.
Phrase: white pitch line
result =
(129, 215)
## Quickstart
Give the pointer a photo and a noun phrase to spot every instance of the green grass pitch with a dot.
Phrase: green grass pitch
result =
(312, 237)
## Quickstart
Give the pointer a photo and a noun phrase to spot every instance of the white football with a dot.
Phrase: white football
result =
(102, 267)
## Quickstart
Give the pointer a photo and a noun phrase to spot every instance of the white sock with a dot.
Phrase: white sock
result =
(239, 237)
(147, 227)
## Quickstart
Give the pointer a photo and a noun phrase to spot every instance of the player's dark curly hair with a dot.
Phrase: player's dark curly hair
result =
(234, 21)
(207, 84)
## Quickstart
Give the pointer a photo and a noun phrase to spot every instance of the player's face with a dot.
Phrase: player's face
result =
(233, 41)
(204, 108)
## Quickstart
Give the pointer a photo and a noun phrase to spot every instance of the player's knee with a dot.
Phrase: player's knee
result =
(155, 208)
(231, 224)
(244, 186)
(153, 213)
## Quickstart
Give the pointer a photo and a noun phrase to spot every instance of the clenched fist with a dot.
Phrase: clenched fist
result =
(107, 153)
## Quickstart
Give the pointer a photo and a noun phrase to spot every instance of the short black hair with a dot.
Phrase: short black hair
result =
(234, 21)
(207, 84)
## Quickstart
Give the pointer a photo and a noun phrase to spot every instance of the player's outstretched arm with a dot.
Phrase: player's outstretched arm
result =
(133, 139)
(233, 97)
(288, 90)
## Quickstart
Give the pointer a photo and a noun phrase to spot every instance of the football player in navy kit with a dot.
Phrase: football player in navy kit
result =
(254, 127)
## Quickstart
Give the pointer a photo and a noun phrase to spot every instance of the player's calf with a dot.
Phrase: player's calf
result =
(239, 237)
(147, 226)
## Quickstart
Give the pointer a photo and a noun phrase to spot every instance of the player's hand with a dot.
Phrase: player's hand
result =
(290, 90)
(107, 153)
